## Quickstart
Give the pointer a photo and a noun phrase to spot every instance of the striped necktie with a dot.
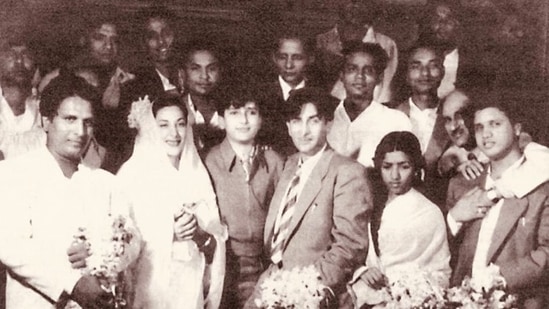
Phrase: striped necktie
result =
(283, 220)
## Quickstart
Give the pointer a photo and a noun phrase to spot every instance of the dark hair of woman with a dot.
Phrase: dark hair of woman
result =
(403, 141)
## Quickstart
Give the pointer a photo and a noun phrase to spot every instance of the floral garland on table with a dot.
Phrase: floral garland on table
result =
(108, 261)
(297, 288)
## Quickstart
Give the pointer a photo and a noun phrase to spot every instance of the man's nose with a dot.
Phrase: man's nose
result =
(289, 64)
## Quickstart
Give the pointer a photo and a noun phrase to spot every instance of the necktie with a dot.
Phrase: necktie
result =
(281, 228)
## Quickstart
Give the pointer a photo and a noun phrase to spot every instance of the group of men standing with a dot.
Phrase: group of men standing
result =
(335, 142)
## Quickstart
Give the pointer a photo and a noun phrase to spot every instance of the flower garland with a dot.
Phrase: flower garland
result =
(108, 260)
(298, 288)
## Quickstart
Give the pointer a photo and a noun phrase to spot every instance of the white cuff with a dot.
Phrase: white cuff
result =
(453, 225)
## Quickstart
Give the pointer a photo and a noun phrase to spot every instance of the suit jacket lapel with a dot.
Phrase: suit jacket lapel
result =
(511, 210)
(287, 175)
(310, 190)
(437, 143)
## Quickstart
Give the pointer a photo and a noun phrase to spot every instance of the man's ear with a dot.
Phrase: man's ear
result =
(312, 59)
(46, 122)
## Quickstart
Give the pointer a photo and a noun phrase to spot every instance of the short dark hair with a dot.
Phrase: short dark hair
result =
(166, 101)
(156, 11)
(199, 44)
(424, 45)
(322, 100)
(373, 49)
(238, 96)
(63, 87)
(507, 103)
(294, 34)
(94, 17)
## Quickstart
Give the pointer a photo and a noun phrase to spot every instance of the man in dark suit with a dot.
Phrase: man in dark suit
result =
(511, 233)
(292, 57)
(318, 214)
(424, 72)
(159, 75)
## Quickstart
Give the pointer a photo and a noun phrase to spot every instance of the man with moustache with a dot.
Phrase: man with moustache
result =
(360, 122)
(100, 42)
(19, 116)
(52, 197)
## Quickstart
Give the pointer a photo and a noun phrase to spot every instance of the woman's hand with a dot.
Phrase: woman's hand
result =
(77, 253)
(374, 278)
(184, 226)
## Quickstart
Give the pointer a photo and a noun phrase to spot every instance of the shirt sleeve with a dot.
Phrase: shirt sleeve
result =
(453, 225)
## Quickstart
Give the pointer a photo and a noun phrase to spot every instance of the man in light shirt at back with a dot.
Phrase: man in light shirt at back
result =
(360, 122)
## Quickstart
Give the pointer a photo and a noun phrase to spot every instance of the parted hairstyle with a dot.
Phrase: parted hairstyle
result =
(66, 86)
(373, 49)
(403, 141)
(322, 100)
(167, 101)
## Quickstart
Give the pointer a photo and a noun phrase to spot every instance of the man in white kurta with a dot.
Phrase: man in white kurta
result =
(356, 23)
(48, 196)
(360, 122)
(19, 118)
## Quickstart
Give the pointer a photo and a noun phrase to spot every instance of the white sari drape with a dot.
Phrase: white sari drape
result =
(169, 273)
(412, 235)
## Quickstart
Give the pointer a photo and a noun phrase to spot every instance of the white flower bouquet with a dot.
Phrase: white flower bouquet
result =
(108, 259)
(298, 288)
(484, 291)
(410, 287)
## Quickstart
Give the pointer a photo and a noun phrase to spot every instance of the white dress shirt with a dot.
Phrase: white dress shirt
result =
(306, 168)
(166, 84)
(44, 210)
(19, 134)
(199, 118)
(447, 85)
(286, 88)
(488, 224)
(423, 123)
(360, 137)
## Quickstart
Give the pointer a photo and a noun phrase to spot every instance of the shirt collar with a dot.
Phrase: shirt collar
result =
(490, 182)
(230, 158)
(310, 163)
(286, 88)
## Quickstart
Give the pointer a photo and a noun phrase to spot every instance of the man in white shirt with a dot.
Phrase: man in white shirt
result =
(51, 198)
(511, 233)
(360, 122)
(356, 24)
(19, 118)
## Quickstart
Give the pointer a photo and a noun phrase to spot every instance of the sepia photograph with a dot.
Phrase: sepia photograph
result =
(274, 154)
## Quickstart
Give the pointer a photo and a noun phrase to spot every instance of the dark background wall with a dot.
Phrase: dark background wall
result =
(511, 35)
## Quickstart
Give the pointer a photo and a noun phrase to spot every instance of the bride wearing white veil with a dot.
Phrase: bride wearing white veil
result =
(168, 183)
